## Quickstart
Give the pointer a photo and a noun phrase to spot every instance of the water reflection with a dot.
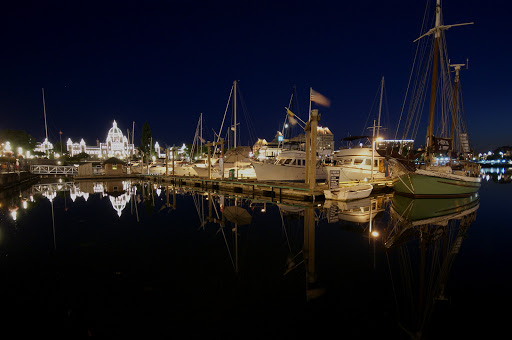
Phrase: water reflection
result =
(497, 175)
(423, 240)
(417, 239)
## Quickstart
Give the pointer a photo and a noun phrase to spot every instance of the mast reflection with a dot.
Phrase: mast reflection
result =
(423, 240)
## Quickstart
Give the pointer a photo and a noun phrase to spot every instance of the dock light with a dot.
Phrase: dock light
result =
(20, 150)
(263, 210)
(375, 233)
(13, 214)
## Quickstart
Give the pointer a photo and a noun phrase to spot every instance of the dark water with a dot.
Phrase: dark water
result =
(184, 264)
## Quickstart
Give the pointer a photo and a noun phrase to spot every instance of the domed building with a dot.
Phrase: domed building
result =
(116, 145)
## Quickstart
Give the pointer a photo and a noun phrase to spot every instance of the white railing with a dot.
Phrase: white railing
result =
(54, 169)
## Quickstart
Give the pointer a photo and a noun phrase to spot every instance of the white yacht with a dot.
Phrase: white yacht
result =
(356, 164)
(290, 165)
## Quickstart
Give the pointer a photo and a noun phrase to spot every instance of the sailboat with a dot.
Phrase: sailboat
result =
(236, 159)
(441, 174)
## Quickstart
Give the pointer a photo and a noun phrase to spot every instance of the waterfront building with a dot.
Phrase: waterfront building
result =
(44, 147)
(116, 145)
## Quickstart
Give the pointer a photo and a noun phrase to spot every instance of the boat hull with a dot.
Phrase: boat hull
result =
(349, 193)
(348, 174)
(428, 184)
(276, 172)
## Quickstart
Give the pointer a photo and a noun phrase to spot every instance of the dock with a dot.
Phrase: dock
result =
(253, 189)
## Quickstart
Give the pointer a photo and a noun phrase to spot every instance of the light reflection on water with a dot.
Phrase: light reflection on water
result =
(161, 256)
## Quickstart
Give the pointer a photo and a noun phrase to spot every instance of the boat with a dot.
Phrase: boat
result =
(289, 166)
(361, 163)
(348, 193)
(236, 161)
(444, 169)
(355, 164)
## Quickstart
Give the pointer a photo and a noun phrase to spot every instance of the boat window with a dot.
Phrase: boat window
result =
(293, 162)
(287, 161)
(358, 161)
(282, 161)
(376, 164)
(368, 161)
(347, 161)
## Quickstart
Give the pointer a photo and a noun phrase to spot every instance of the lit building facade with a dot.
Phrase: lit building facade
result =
(44, 147)
(116, 145)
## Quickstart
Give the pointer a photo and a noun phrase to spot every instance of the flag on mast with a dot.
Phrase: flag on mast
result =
(319, 98)
(291, 116)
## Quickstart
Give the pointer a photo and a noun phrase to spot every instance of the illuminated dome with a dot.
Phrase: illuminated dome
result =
(115, 134)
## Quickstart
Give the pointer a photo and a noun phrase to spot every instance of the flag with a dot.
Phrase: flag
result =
(291, 116)
(289, 113)
(319, 98)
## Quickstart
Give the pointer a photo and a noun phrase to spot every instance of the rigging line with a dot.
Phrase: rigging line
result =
(223, 118)
(248, 120)
(371, 110)
(227, 246)
(425, 15)
(284, 229)
(392, 282)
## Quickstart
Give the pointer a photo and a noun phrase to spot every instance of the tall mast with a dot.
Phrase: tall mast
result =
(201, 133)
(234, 112)
(380, 105)
(455, 95)
(44, 111)
(310, 94)
(437, 34)
(433, 89)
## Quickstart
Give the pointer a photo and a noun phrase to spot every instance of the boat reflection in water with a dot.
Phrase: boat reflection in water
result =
(292, 266)
(423, 239)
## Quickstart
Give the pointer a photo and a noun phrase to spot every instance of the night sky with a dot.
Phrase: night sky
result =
(165, 62)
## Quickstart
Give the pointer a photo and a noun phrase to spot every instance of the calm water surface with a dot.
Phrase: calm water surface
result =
(134, 258)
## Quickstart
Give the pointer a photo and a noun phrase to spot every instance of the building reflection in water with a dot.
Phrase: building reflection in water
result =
(419, 239)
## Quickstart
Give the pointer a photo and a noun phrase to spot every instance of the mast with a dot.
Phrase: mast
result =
(201, 134)
(132, 150)
(455, 95)
(44, 111)
(437, 35)
(433, 89)
(234, 112)
(380, 105)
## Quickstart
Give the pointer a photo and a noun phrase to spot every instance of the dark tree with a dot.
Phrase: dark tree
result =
(18, 138)
(145, 139)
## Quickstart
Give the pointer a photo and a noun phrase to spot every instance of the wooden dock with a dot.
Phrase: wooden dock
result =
(268, 190)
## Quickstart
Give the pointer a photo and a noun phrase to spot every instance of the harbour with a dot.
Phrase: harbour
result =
(271, 170)
(136, 256)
